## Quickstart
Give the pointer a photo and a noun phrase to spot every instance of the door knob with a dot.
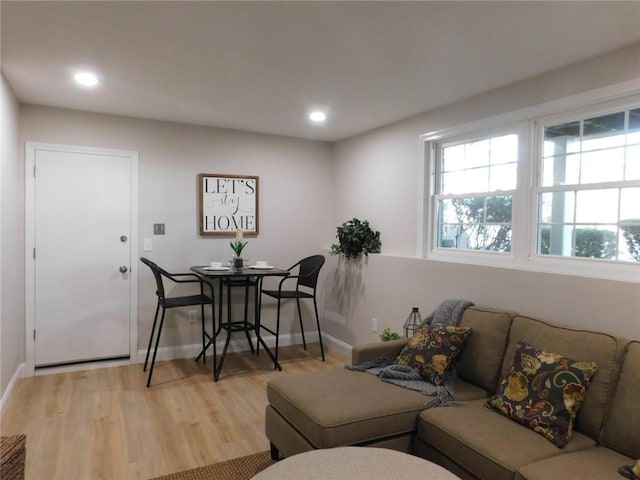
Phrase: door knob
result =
(123, 238)
(123, 269)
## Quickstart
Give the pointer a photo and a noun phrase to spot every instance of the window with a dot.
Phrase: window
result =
(588, 194)
(559, 193)
(475, 183)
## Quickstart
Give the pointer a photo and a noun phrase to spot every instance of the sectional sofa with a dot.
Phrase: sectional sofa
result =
(344, 407)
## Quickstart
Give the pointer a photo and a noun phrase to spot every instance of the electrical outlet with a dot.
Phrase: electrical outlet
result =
(193, 318)
(374, 325)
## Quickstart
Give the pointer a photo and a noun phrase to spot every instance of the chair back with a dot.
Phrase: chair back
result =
(157, 274)
(309, 270)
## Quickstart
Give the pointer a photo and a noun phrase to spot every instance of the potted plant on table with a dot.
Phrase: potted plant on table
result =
(237, 246)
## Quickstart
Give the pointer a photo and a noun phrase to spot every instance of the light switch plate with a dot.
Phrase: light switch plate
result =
(147, 245)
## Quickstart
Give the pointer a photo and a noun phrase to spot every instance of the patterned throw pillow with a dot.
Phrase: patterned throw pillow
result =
(543, 391)
(431, 349)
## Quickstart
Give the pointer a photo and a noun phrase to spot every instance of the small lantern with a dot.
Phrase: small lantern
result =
(413, 323)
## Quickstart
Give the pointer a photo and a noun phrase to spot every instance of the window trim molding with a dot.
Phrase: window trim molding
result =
(525, 121)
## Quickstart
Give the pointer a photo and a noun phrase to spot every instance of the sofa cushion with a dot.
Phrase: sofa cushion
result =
(597, 462)
(622, 425)
(481, 358)
(543, 391)
(344, 407)
(485, 443)
(580, 345)
(431, 350)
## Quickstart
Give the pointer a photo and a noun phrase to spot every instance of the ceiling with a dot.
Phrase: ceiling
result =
(261, 66)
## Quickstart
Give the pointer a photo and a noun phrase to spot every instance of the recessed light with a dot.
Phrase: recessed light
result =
(317, 116)
(86, 79)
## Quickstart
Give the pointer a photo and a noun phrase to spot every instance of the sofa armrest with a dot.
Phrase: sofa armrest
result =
(371, 351)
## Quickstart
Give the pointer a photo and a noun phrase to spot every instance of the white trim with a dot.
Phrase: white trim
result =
(339, 346)
(238, 344)
(13, 383)
(80, 367)
(184, 351)
(30, 150)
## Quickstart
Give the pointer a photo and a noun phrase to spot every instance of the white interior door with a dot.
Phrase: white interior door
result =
(82, 260)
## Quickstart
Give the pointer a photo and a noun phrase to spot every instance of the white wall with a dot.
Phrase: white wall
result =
(12, 350)
(377, 177)
(295, 193)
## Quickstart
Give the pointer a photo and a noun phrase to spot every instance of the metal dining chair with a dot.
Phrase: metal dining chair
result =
(307, 278)
(165, 303)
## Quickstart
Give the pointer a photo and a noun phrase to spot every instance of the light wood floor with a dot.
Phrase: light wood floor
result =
(105, 424)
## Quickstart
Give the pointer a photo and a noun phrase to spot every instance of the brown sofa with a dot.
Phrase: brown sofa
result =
(343, 407)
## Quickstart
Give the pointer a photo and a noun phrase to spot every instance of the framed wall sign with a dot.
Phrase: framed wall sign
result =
(227, 203)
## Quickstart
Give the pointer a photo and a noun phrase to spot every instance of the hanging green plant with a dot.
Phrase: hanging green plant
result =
(355, 238)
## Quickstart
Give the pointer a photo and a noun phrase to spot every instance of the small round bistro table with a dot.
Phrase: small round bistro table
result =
(354, 463)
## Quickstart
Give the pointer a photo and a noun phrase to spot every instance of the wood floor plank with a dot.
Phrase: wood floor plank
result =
(105, 424)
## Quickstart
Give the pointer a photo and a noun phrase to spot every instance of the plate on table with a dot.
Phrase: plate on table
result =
(261, 267)
(217, 269)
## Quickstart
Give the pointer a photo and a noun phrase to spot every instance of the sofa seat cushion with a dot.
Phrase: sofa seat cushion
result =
(343, 407)
(622, 425)
(598, 462)
(485, 443)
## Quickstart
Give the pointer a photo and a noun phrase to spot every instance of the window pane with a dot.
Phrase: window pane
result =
(447, 212)
(503, 177)
(632, 164)
(605, 131)
(498, 209)
(453, 158)
(563, 138)
(556, 207)
(597, 206)
(563, 170)
(634, 120)
(504, 149)
(629, 240)
(555, 239)
(630, 204)
(477, 154)
(481, 166)
(596, 241)
(476, 223)
(603, 166)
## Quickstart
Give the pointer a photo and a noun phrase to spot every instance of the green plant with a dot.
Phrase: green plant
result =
(631, 233)
(355, 237)
(387, 335)
(238, 245)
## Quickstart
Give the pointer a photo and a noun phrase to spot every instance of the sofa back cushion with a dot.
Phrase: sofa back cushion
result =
(579, 345)
(622, 425)
(481, 358)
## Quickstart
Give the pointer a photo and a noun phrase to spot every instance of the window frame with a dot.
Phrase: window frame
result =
(527, 124)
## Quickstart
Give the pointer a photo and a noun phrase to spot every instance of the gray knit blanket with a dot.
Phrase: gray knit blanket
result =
(448, 313)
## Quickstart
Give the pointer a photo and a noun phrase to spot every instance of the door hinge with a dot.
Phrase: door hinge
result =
(34, 253)
(34, 171)
(34, 334)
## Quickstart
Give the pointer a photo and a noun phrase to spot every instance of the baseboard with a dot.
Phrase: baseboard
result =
(239, 344)
(340, 347)
(19, 373)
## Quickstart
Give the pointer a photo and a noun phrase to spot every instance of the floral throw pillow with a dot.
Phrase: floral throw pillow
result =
(543, 391)
(431, 349)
